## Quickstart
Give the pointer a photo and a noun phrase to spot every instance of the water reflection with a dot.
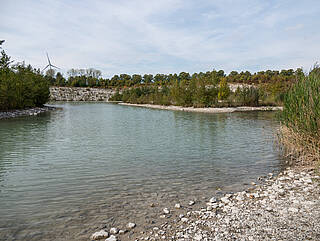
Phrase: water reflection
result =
(91, 163)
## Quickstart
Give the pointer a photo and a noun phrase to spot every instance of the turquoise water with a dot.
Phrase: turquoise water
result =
(66, 173)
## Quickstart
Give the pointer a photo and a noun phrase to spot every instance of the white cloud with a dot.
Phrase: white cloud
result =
(163, 36)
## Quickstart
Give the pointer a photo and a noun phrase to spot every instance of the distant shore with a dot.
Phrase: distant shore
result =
(25, 112)
(207, 110)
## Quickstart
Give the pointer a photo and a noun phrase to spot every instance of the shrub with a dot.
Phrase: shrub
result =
(248, 96)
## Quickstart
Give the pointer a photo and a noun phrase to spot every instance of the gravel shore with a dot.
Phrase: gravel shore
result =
(25, 112)
(282, 207)
(207, 110)
(286, 207)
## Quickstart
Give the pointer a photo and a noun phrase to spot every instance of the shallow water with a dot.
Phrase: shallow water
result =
(67, 173)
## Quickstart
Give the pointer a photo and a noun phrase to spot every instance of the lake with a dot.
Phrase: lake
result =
(70, 172)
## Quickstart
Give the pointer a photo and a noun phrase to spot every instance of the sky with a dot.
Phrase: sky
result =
(162, 36)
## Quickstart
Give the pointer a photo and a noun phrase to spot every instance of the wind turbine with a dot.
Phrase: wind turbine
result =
(49, 64)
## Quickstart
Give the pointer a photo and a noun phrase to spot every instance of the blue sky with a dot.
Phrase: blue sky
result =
(163, 36)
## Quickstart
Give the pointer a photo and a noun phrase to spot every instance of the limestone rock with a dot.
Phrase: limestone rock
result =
(100, 235)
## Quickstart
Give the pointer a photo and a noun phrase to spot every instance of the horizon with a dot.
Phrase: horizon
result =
(150, 37)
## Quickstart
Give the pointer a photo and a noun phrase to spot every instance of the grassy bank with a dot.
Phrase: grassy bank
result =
(300, 121)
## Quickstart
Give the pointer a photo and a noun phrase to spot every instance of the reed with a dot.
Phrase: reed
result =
(299, 134)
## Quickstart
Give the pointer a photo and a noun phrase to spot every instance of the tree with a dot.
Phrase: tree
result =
(50, 73)
(5, 60)
(136, 79)
(148, 78)
(224, 90)
(60, 81)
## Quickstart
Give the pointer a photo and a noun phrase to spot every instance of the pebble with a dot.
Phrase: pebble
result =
(112, 238)
(192, 203)
(131, 225)
(166, 210)
(114, 230)
(100, 235)
(225, 200)
(177, 205)
(184, 220)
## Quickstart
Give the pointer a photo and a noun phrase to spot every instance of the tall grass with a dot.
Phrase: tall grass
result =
(300, 119)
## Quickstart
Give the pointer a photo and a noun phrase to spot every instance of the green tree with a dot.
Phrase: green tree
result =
(224, 90)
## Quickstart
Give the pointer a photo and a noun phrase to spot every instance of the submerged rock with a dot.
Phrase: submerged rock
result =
(131, 225)
(166, 210)
(114, 230)
(177, 205)
(100, 235)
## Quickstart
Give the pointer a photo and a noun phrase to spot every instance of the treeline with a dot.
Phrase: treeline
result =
(199, 89)
(196, 94)
(92, 78)
(21, 86)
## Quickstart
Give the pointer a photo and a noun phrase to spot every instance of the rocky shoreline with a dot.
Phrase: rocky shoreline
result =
(283, 207)
(207, 110)
(25, 112)
(286, 207)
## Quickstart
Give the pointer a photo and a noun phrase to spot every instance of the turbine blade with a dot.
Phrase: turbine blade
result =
(55, 66)
(45, 67)
(48, 59)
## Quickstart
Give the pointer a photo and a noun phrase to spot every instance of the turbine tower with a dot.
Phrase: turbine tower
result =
(49, 64)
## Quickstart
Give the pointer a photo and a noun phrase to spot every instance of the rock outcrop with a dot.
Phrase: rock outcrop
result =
(80, 94)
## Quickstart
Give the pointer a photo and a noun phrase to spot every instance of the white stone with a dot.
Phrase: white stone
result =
(177, 205)
(114, 230)
(213, 200)
(293, 210)
(235, 210)
(197, 237)
(240, 198)
(269, 208)
(99, 235)
(112, 238)
(184, 220)
(307, 180)
(131, 225)
(191, 203)
(256, 195)
(166, 210)
(225, 200)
